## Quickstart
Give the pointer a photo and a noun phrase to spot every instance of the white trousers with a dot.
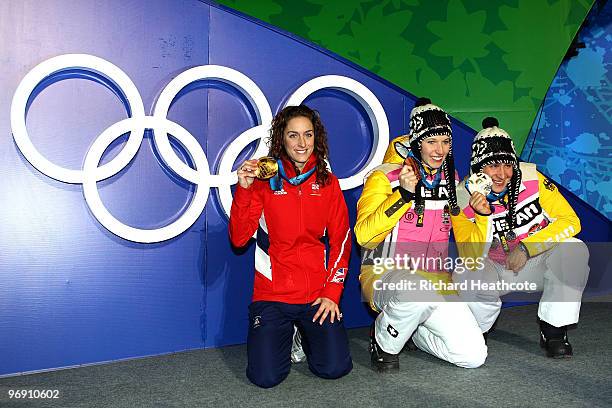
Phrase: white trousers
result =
(560, 273)
(440, 325)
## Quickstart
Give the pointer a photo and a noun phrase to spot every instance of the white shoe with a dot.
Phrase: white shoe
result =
(297, 351)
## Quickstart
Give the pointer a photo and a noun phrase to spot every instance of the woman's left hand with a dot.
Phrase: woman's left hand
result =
(327, 307)
(516, 260)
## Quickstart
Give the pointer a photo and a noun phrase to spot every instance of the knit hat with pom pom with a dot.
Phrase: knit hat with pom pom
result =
(492, 145)
(426, 120)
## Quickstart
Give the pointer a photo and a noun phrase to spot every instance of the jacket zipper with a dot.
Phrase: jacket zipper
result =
(301, 230)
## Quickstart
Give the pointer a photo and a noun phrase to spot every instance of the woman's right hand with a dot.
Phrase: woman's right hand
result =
(480, 204)
(246, 173)
(408, 179)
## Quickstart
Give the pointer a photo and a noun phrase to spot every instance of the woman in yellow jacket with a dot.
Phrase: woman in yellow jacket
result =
(525, 230)
(403, 225)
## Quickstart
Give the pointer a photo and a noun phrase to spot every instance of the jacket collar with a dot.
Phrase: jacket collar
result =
(290, 168)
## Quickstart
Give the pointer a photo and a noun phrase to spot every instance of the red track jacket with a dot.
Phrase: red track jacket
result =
(290, 259)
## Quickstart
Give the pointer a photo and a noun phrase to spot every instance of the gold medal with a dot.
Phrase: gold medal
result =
(267, 167)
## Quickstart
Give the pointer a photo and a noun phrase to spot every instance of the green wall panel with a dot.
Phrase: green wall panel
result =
(472, 57)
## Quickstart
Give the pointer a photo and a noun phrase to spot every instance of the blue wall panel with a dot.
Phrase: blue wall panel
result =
(570, 139)
(70, 291)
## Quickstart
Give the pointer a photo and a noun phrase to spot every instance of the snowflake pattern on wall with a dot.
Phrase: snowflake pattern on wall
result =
(570, 138)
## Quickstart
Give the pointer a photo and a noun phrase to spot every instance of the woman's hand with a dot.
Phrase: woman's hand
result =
(327, 307)
(516, 260)
(480, 204)
(246, 173)
(408, 180)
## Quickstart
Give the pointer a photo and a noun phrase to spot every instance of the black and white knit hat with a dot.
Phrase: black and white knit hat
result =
(427, 120)
(493, 145)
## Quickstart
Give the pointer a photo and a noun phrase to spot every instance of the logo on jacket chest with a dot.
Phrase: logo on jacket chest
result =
(500, 225)
(312, 189)
(315, 190)
(438, 193)
(525, 215)
(528, 213)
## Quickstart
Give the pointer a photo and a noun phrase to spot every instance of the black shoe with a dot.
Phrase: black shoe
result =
(485, 335)
(410, 346)
(554, 340)
(382, 361)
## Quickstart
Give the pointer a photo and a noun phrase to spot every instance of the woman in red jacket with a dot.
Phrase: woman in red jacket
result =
(295, 282)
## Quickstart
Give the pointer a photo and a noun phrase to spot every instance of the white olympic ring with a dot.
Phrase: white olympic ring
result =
(199, 178)
(53, 66)
(376, 114)
(136, 124)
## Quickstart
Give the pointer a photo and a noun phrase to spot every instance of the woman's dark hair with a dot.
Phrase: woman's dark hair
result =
(276, 139)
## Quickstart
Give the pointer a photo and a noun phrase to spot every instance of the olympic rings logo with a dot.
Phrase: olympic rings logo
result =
(138, 122)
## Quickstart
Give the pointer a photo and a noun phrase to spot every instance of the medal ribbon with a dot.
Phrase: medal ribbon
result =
(492, 196)
(428, 184)
(276, 182)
